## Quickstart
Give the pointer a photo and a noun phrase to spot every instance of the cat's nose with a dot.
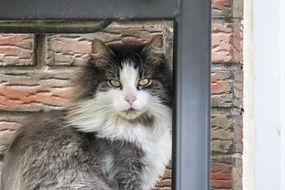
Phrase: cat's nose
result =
(130, 99)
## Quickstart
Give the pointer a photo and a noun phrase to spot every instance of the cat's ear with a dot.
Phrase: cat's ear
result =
(100, 49)
(154, 46)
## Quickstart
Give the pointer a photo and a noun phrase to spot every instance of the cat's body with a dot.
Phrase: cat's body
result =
(113, 136)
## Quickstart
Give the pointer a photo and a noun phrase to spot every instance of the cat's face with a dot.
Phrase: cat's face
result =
(128, 81)
(129, 92)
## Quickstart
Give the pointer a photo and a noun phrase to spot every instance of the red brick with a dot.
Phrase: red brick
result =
(221, 175)
(219, 75)
(220, 87)
(226, 86)
(227, 9)
(220, 82)
(34, 91)
(159, 188)
(16, 49)
(25, 97)
(167, 174)
(221, 168)
(221, 3)
(165, 180)
(71, 45)
(222, 183)
(75, 49)
(227, 43)
(221, 8)
(164, 183)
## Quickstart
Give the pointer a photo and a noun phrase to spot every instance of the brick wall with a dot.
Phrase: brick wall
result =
(227, 94)
(35, 74)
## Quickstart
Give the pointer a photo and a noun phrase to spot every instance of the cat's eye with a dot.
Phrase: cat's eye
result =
(144, 82)
(115, 83)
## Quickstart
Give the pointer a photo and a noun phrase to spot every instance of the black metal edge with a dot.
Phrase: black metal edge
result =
(48, 26)
(87, 9)
(191, 137)
(60, 26)
(175, 119)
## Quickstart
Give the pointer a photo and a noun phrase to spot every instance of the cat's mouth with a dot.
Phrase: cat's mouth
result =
(131, 113)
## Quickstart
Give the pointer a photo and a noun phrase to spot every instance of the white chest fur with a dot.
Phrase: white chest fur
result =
(157, 156)
(155, 141)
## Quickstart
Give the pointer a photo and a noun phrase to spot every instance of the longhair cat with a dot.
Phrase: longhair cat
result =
(115, 135)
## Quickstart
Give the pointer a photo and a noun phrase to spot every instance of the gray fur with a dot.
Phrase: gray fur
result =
(51, 155)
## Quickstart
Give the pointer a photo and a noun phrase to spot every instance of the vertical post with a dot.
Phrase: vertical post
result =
(191, 154)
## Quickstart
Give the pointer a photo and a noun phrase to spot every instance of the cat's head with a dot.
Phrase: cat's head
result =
(128, 81)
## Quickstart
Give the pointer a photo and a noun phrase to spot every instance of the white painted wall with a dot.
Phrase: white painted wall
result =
(282, 87)
(266, 95)
(264, 123)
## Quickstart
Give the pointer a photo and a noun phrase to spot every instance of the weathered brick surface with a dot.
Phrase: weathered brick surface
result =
(165, 181)
(227, 43)
(237, 7)
(227, 9)
(16, 49)
(237, 174)
(226, 136)
(226, 86)
(227, 95)
(226, 172)
(26, 91)
(75, 49)
(238, 88)
(221, 8)
(221, 175)
(226, 133)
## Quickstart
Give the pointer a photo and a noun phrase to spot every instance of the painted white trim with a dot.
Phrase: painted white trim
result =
(266, 95)
(248, 119)
(282, 88)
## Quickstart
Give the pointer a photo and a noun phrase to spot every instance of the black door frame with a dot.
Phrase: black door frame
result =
(192, 21)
